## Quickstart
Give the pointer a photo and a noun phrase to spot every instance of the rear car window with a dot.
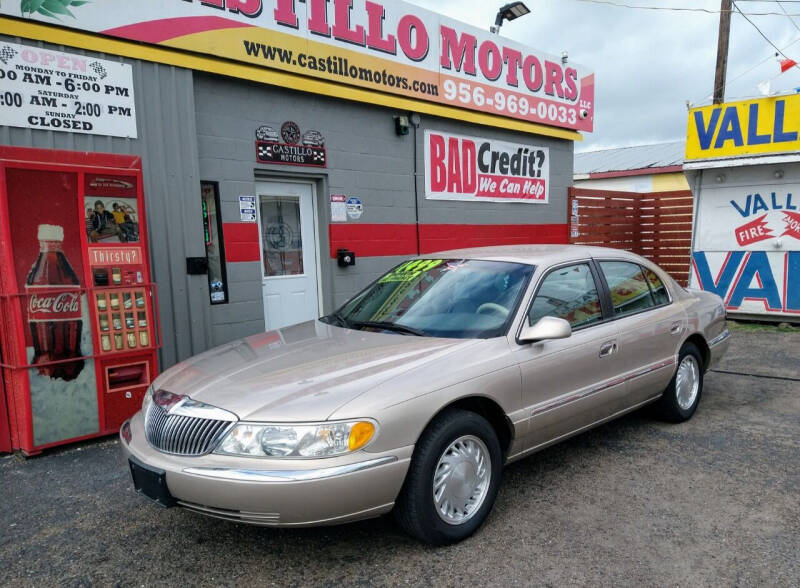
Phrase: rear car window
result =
(569, 293)
(629, 290)
(657, 286)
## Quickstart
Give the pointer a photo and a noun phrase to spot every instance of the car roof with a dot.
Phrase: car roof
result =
(534, 254)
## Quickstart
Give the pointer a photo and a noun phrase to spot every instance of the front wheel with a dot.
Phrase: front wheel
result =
(682, 396)
(453, 479)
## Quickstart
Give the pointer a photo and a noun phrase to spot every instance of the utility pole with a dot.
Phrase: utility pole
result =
(722, 50)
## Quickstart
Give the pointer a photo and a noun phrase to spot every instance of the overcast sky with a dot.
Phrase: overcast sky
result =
(648, 63)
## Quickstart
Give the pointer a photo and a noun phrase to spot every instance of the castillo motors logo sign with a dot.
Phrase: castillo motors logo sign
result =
(472, 168)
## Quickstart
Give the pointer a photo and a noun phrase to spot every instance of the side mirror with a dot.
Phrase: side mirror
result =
(548, 327)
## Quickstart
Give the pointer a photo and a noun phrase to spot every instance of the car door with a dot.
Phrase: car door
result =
(569, 384)
(649, 327)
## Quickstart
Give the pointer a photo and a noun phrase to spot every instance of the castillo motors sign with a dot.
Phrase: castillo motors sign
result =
(751, 127)
(473, 168)
(382, 45)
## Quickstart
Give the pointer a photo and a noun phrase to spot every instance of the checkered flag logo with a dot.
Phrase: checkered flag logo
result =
(318, 157)
(7, 54)
(99, 69)
(264, 151)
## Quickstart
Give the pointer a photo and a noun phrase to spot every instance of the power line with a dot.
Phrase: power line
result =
(760, 32)
(789, 17)
(678, 8)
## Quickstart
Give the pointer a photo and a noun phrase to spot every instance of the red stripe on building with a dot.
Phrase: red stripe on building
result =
(371, 240)
(444, 237)
(241, 242)
(374, 240)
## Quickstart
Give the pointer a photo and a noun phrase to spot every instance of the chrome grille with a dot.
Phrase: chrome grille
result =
(182, 434)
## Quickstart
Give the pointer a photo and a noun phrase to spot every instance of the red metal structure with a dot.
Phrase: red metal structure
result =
(80, 325)
(5, 430)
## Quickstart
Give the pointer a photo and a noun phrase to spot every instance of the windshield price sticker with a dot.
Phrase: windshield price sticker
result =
(55, 91)
(410, 271)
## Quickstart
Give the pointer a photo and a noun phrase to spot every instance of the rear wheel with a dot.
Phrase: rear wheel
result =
(682, 396)
(453, 479)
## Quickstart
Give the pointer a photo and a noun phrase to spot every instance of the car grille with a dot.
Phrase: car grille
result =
(181, 434)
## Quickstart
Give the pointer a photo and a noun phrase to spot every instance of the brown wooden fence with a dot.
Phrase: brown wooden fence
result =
(656, 225)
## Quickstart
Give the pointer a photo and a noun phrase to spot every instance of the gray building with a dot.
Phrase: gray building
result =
(324, 170)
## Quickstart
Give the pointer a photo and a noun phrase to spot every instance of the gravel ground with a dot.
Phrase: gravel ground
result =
(715, 501)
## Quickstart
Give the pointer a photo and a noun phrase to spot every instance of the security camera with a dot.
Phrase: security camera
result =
(584, 113)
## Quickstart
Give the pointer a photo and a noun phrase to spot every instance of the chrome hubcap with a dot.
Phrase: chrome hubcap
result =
(687, 382)
(461, 480)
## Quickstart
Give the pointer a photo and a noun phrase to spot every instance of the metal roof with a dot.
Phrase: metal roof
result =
(630, 158)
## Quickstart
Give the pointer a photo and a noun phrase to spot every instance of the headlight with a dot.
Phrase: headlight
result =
(147, 400)
(298, 441)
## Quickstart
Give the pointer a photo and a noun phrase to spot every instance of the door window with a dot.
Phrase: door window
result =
(281, 236)
(212, 234)
(628, 287)
(657, 286)
(569, 293)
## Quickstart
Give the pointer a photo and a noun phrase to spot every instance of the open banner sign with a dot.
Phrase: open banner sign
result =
(477, 169)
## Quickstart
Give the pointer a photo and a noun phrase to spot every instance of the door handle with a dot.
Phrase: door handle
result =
(608, 348)
(676, 328)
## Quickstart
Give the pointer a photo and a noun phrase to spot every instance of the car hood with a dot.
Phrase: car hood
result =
(303, 372)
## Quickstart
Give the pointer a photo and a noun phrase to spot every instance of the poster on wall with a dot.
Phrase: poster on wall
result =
(57, 91)
(750, 282)
(751, 218)
(478, 169)
(247, 209)
(389, 47)
(747, 248)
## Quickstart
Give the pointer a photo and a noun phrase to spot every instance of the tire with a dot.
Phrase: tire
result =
(679, 402)
(454, 439)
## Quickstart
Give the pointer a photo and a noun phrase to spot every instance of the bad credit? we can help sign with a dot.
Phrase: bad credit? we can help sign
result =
(479, 169)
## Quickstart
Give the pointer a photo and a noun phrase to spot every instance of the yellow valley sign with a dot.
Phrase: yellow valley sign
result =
(751, 127)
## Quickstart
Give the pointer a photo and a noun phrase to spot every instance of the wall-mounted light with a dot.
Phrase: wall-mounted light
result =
(509, 12)
(778, 174)
(564, 57)
(401, 125)
(720, 178)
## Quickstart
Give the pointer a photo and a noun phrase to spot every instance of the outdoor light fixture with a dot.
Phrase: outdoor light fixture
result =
(402, 125)
(511, 11)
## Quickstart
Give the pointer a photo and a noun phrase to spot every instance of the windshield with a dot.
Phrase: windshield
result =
(454, 298)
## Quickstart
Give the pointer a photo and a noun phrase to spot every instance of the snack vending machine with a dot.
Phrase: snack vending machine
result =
(80, 327)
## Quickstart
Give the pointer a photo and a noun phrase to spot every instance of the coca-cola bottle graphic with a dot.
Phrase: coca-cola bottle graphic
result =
(54, 308)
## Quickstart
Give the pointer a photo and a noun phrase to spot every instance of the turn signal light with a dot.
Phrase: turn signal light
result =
(360, 435)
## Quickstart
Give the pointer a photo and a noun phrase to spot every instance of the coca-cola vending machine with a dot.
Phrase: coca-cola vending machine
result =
(80, 325)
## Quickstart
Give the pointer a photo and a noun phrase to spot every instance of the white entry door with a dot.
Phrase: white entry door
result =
(288, 252)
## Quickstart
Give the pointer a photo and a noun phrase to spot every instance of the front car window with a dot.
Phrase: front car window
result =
(455, 298)
(628, 287)
(569, 293)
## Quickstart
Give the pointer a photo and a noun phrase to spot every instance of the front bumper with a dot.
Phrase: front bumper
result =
(276, 492)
